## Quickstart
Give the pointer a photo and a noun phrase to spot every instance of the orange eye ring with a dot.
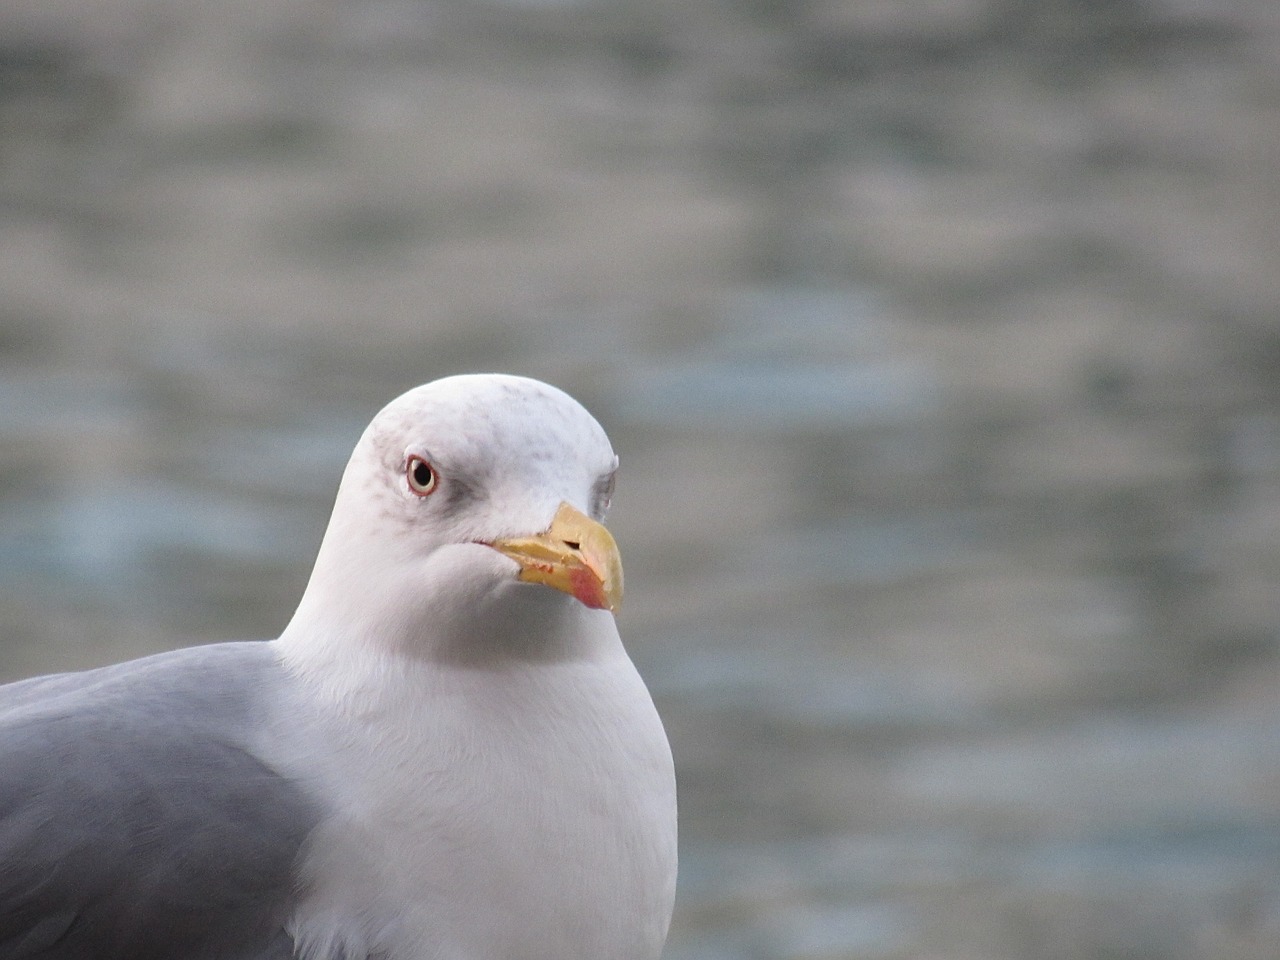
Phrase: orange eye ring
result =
(422, 477)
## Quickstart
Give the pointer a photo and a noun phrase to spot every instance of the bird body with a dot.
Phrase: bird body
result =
(439, 759)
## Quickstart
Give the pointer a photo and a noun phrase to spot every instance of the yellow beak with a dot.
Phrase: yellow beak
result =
(575, 554)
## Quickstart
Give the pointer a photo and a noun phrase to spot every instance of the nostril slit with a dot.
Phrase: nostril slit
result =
(573, 544)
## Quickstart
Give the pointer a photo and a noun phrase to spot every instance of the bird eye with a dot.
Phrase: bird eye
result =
(602, 494)
(422, 476)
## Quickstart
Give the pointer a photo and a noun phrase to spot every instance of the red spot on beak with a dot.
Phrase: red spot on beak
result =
(588, 589)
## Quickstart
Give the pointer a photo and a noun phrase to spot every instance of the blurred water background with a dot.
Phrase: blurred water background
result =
(939, 339)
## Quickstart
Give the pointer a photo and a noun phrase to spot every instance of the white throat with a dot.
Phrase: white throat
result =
(496, 794)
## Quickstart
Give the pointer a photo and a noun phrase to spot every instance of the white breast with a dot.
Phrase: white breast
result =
(517, 812)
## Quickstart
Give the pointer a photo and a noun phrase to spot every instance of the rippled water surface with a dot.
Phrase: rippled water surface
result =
(939, 341)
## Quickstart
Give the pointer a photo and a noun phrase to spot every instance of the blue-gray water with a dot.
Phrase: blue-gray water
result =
(939, 340)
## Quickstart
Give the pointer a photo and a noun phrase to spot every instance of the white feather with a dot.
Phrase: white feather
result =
(499, 784)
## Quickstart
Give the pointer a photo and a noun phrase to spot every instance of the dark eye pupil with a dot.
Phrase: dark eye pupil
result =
(421, 474)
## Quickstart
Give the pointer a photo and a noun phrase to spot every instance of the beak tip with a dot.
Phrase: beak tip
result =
(592, 592)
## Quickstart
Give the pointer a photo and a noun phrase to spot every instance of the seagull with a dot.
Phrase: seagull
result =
(446, 755)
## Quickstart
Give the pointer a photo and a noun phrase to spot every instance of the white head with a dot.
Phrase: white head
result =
(447, 504)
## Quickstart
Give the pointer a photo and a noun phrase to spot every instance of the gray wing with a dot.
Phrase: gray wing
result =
(136, 821)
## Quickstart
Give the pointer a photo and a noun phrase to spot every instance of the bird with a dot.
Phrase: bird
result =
(447, 754)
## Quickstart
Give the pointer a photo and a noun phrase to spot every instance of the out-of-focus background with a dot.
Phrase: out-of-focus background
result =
(940, 341)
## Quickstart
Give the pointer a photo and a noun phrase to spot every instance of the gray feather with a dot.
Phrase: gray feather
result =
(137, 821)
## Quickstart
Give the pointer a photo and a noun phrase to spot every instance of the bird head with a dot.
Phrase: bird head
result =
(462, 494)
